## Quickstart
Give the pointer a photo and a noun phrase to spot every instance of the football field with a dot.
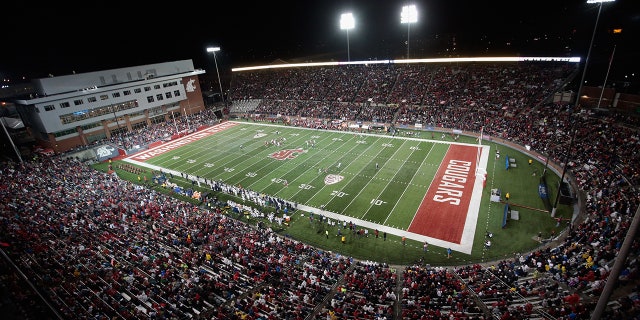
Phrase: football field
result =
(424, 189)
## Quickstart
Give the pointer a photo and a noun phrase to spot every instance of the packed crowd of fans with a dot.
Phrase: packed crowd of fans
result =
(98, 247)
(176, 125)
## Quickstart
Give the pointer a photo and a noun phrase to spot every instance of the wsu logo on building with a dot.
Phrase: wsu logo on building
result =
(286, 154)
(191, 85)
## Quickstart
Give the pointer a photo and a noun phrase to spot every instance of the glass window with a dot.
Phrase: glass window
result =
(139, 125)
(91, 125)
(78, 102)
(65, 132)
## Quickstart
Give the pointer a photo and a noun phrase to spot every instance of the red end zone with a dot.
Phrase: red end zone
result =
(443, 211)
(175, 144)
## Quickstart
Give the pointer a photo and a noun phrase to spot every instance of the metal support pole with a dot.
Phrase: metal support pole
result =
(2, 120)
(348, 51)
(620, 261)
(187, 118)
(115, 117)
(564, 168)
(606, 76)
(174, 121)
(546, 165)
(577, 103)
(219, 82)
(586, 61)
(408, 30)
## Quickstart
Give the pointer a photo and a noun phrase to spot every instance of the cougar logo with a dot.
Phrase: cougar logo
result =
(105, 151)
(191, 87)
(333, 179)
(286, 154)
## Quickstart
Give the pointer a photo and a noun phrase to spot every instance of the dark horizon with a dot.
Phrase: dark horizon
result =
(112, 36)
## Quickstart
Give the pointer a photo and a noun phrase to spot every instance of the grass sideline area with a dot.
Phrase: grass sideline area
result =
(240, 156)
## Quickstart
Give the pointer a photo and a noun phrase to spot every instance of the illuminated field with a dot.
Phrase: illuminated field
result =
(374, 180)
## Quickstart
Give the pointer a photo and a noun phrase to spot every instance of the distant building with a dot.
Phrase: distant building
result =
(76, 110)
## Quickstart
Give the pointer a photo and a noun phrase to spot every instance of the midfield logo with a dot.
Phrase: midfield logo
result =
(286, 154)
(333, 179)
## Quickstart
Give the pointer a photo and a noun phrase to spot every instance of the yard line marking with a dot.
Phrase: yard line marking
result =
(387, 180)
(412, 179)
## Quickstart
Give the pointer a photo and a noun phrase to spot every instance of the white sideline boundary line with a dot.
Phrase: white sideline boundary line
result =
(471, 222)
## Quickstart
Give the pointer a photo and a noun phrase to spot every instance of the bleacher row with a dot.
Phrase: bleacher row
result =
(412, 93)
(104, 248)
(154, 263)
(508, 101)
(210, 263)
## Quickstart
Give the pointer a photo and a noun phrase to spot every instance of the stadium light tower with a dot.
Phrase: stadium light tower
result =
(213, 50)
(586, 61)
(623, 254)
(409, 15)
(577, 102)
(346, 23)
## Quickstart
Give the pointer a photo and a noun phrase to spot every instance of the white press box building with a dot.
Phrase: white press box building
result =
(76, 110)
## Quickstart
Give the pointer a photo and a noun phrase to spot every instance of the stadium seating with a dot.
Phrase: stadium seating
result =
(101, 247)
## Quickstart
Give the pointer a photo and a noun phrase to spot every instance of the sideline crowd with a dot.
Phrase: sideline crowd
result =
(102, 248)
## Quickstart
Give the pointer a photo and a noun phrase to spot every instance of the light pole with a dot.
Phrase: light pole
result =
(175, 124)
(214, 49)
(409, 15)
(115, 117)
(347, 22)
(186, 117)
(572, 130)
(593, 35)
(2, 121)
(606, 77)
(624, 250)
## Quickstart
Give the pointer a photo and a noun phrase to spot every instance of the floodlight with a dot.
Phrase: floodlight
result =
(409, 15)
(347, 22)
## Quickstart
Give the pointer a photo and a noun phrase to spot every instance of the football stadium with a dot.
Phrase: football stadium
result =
(389, 199)
(473, 161)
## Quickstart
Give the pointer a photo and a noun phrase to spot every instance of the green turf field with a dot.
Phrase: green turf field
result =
(376, 179)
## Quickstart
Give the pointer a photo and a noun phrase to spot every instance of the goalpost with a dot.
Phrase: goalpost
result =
(481, 173)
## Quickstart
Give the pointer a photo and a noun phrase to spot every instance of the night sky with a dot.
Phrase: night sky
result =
(60, 39)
